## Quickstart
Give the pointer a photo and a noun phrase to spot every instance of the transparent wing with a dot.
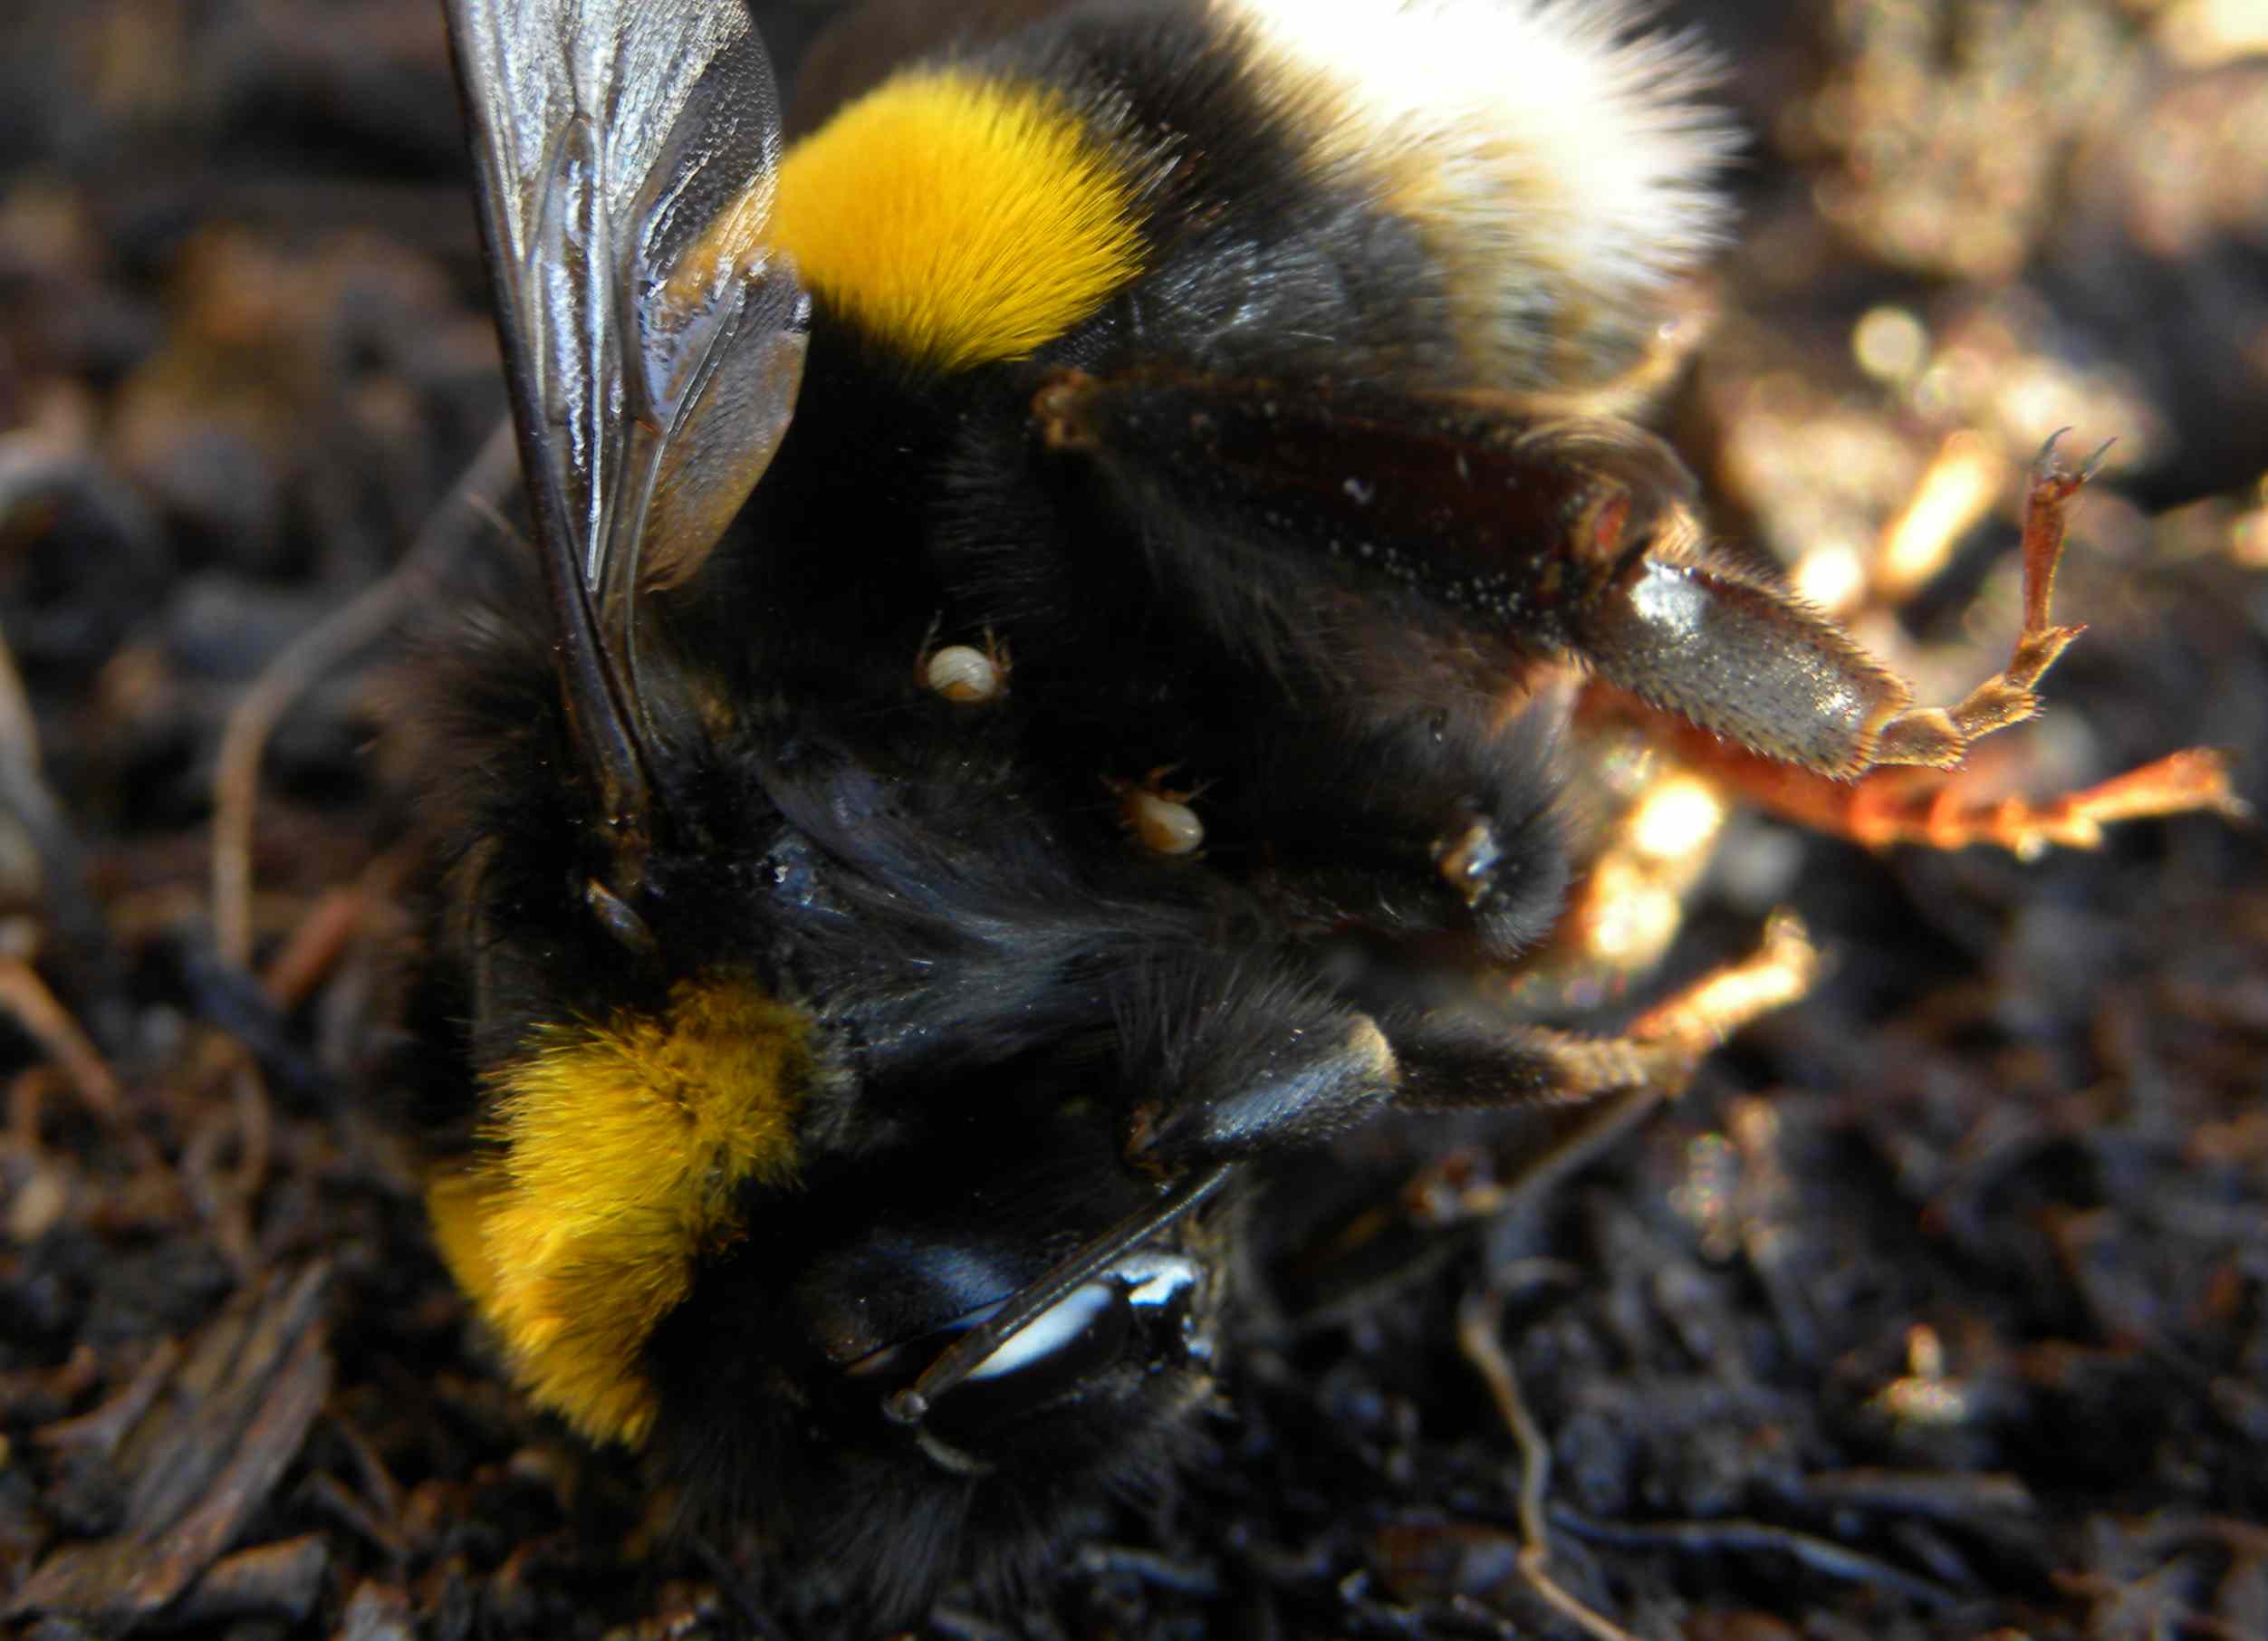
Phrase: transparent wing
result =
(654, 340)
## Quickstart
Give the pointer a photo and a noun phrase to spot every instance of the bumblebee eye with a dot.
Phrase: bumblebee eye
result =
(616, 917)
(1140, 1313)
(1083, 1330)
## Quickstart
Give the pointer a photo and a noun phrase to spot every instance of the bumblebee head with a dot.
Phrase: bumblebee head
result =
(877, 1266)
(774, 1375)
(736, 1183)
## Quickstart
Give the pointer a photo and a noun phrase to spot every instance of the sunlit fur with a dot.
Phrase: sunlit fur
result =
(1556, 169)
(718, 1226)
(618, 1151)
(961, 219)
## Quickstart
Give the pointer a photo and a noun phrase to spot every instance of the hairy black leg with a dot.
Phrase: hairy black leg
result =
(1421, 822)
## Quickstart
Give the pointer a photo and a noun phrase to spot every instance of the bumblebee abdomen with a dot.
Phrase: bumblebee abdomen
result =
(1477, 193)
(1556, 171)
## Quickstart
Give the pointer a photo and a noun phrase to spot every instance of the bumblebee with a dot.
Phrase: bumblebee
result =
(1056, 597)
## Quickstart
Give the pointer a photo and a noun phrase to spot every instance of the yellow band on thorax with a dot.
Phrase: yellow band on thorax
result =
(958, 219)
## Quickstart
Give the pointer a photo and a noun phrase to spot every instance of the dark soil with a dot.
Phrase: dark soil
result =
(1939, 1307)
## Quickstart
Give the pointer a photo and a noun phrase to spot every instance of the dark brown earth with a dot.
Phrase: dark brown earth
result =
(1937, 1308)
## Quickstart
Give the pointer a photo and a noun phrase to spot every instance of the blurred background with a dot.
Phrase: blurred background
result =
(1940, 1306)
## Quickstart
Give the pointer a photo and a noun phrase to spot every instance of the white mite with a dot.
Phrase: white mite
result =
(1162, 824)
(961, 674)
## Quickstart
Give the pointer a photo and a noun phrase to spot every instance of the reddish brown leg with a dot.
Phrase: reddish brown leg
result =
(1902, 794)
(1917, 807)
(1935, 738)
(1933, 807)
(1665, 1045)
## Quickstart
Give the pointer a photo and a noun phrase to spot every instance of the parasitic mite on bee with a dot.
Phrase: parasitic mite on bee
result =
(854, 1055)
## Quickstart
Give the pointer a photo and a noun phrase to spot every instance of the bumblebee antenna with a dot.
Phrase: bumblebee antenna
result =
(966, 1354)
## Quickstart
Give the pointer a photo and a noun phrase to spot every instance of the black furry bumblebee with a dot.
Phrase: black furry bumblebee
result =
(1225, 387)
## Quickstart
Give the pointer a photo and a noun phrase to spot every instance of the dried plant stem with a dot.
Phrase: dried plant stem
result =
(361, 620)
